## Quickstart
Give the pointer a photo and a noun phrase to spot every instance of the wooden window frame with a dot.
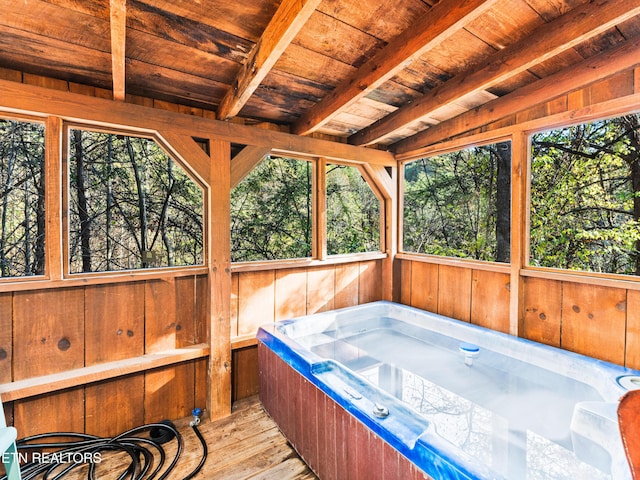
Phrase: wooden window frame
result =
(319, 254)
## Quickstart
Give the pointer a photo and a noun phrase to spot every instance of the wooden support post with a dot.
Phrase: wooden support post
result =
(519, 222)
(320, 209)
(384, 184)
(53, 198)
(219, 247)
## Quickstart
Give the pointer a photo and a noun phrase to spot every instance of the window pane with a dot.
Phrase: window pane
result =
(22, 200)
(271, 211)
(585, 197)
(353, 212)
(459, 204)
(130, 206)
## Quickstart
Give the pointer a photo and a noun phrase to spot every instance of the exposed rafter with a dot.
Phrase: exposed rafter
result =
(441, 21)
(283, 27)
(580, 24)
(575, 77)
(118, 16)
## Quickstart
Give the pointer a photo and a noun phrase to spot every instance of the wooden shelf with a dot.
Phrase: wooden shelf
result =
(243, 341)
(72, 378)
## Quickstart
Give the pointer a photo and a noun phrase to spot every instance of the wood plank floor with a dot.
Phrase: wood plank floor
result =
(245, 445)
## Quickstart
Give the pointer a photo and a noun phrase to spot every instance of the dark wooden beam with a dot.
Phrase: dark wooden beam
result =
(18, 97)
(603, 65)
(565, 32)
(440, 22)
(118, 15)
(283, 27)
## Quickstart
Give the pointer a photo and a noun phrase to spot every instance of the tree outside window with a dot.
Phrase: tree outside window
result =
(22, 199)
(131, 205)
(271, 214)
(458, 204)
(585, 197)
(353, 212)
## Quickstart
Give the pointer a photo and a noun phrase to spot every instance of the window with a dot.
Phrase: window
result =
(353, 212)
(585, 197)
(130, 205)
(458, 204)
(22, 202)
(271, 213)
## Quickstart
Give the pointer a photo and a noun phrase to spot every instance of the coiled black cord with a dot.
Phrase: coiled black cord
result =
(74, 450)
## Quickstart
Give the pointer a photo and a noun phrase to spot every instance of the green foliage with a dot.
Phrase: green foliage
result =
(450, 204)
(353, 212)
(271, 211)
(22, 198)
(585, 197)
(130, 205)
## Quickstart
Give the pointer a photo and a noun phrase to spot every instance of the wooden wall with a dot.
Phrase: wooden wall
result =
(265, 296)
(595, 315)
(117, 351)
(591, 319)
(475, 295)
(58, 330)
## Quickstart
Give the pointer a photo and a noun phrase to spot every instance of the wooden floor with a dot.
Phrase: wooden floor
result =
(245, 445)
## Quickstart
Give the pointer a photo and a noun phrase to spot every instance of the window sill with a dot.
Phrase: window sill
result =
(305, 262)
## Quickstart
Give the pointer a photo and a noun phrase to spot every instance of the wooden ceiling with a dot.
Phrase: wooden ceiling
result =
(372, 72)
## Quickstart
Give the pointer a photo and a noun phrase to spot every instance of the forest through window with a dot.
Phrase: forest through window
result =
(271, 211)
(585, 197)
(22, 201)
(130, 205)
(458, 204)
(353, 212)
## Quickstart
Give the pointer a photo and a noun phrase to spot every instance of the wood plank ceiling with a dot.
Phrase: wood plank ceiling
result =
(373, 72)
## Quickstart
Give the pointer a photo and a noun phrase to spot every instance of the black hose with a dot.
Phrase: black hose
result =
(205, 452)
(147, 456)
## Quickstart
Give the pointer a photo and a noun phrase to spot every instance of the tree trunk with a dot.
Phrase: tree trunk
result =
(632, 126)
(165, 215)
(39, 254)
(85, 223)
(142, 203)
(109, 201)
(4, 262)
(503, 203)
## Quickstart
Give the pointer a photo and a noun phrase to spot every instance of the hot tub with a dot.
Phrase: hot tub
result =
(383, 390)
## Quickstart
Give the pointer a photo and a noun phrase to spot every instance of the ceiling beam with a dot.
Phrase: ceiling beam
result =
(572, 78)
(118, 18)
(565, 32)
(23, 98)
(283, 27)
(440, 22)
(245, 161)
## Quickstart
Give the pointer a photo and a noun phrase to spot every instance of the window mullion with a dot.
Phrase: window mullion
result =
(320, 209)
(53, 198)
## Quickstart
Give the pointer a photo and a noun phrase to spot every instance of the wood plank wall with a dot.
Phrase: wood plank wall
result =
(56, 330)
(60, 329)
(473, 295)
(593, 315)
(264, 296)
